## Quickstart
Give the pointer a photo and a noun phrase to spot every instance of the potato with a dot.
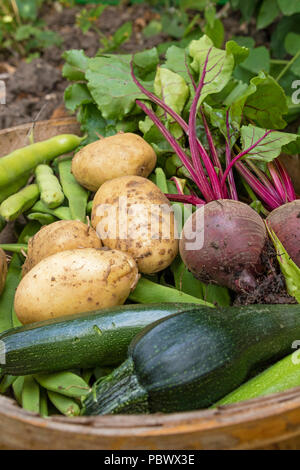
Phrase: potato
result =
(151, 235)
(59, 236)
(109, 158)
(75, 281)
(3, 269)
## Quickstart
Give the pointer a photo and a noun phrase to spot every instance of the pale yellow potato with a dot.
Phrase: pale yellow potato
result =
(111, 157)
(59, 236)
(151, 234)
(3, 270)
(75, 281)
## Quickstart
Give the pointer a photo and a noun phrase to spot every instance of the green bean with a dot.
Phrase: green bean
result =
(31, 395)
(67, 406)
(7, 298)
(13, 187)
(65, 383)
(44, 412)
(20, 202)
(161, 180)
(12, 280)
(14, 247)
(76, 194)
(18, 388)
(61, 212)
(51, 192)
(60, 159)
(149, 292)
(29, 231)
(23, 160)
(282, 376)
(43, 219)
(6, 383)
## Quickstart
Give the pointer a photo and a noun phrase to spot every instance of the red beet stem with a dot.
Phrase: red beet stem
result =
(241, 155)
(278, 183)
(212, 174)
(185, 198)
(257, 187)
(172, 141)
(286, 181)
(231, 182)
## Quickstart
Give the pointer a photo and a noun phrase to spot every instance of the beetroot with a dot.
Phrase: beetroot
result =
(234, 239)
(285, 222)
(234, 234)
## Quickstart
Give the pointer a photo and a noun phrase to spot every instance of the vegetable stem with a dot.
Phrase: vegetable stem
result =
(241, 155)
(232, 187)
(287, 67)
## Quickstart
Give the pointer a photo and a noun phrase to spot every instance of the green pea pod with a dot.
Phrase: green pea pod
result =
(66, 405)
(31, 395)
(282, 376)
(20, 202)
(76, 194)
(161, 180)
(12, 280)
(62, 212)
(29, 231)
(13, 187)
(65, 383)
(61, 159)
(6, 383)
(51, 192)
(149, 292)
(43, 219)
(23, 160)
(186, 282)
(7, 298)
(44, 411)
(18, 389)
(289, 269)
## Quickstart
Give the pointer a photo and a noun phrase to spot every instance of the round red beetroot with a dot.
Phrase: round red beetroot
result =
(222, 243)
(285, 221)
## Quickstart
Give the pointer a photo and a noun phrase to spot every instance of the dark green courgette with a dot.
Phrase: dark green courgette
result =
(191, 359)
(86, 340)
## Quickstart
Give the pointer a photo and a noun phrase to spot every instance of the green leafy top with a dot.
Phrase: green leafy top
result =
(104, 94)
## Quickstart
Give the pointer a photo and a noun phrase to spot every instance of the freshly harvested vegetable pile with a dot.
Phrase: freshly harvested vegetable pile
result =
(181, 138)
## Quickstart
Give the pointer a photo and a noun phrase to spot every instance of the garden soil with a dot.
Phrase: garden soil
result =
(34, 91)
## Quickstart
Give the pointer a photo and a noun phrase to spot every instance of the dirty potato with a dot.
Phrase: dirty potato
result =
(59, 236)
(131, 214)
(111, 157)
(75, 281)
(3, 270)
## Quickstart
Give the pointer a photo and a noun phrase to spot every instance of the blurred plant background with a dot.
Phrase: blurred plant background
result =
(37, 32)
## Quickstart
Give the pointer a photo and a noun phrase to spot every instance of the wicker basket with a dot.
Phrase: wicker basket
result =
(271, 422)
